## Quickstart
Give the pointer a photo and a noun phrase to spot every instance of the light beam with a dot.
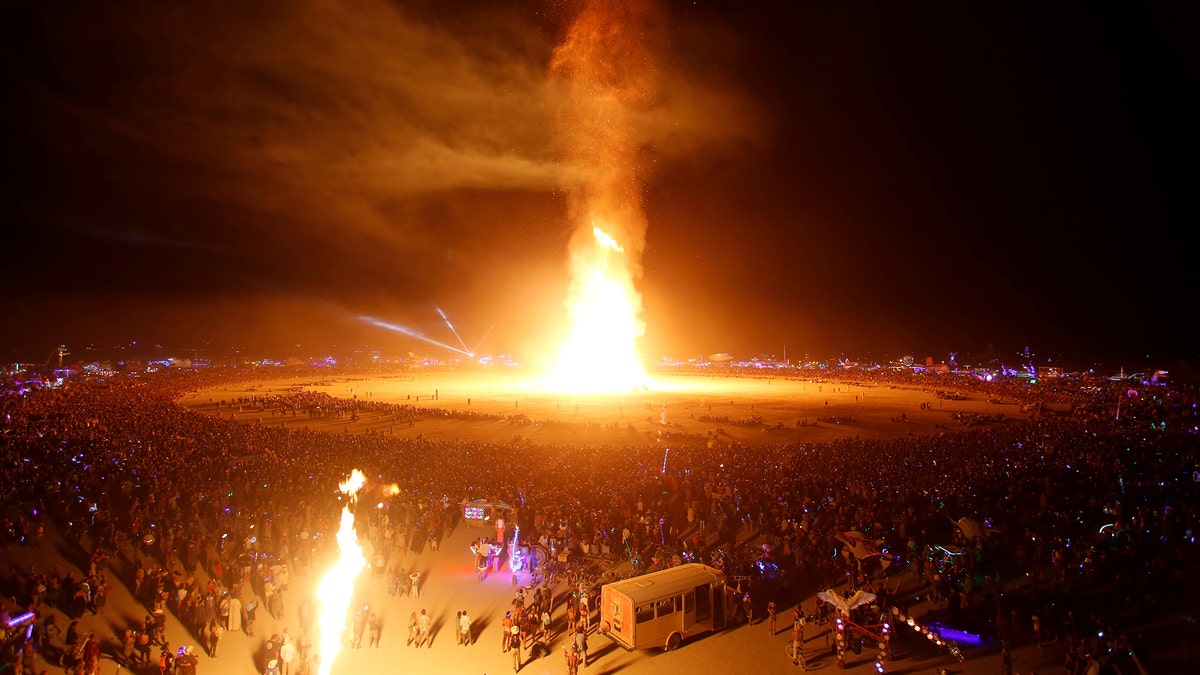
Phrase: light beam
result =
(451, 327)
(413, 334)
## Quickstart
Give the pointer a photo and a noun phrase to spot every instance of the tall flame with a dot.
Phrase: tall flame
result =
(337, 586)
(599, 354)
(606, 64)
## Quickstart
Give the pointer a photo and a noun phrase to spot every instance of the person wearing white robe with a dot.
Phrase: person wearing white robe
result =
(235, 614)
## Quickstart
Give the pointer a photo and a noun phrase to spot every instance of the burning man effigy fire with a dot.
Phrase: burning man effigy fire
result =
(607, 66)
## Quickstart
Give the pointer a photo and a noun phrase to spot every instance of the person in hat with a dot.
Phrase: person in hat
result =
(166, 660)
(515, 645)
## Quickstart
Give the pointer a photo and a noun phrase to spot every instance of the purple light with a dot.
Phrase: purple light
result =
(958, 635)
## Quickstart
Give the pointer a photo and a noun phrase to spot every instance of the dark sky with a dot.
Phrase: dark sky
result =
(838, 177)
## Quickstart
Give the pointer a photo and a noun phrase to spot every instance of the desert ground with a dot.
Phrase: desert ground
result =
(722, 407)
(450, 585)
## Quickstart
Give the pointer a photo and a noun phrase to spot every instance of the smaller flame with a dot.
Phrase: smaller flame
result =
(337, 586)
(352, 484)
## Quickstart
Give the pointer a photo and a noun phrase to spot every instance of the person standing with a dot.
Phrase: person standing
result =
(128, 648)
(424, 624)
(481, 565)
(214, 637)
(464, 626)
(143, 644)
(49, 633)
(375, 625)
(505, 626)
(166, 661)
(186, 663)
(358, 627)
(458, 628)
(250, 612)
(771, 610)
(585, 611)
(287, 655)
(100, 595)
(572, 656)
(235, 614)
(581, 646)
(515, 646)
(412, 628)
(414, 580)
(798, 644)
(224, 606)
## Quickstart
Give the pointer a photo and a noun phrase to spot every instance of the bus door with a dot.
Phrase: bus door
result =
(690, 614)
(716, 595)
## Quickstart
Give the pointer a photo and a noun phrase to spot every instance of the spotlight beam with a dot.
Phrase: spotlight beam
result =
(485, 334)
(451, 327)
(404, 330)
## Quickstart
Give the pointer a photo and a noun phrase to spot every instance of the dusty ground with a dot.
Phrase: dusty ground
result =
(672, 404)
(451, 586)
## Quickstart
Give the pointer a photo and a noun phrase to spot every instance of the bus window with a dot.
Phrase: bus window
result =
(644, 614)
(666, 607)
(689, 601)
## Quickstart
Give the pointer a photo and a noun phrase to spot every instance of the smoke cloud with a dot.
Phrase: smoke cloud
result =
(298, 143)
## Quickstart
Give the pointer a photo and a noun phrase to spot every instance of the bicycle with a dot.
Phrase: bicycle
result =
(791, 654)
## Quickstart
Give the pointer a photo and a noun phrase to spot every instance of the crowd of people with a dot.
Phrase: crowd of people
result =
(220, 513)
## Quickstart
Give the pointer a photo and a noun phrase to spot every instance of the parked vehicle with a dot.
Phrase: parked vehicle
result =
(663, 608)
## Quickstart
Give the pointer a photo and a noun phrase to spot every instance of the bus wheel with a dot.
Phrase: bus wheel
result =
(674, 641)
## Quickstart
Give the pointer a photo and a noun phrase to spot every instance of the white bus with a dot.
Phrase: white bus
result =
(663, 608)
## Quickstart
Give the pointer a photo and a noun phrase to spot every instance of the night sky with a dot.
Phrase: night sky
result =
(849, 178)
